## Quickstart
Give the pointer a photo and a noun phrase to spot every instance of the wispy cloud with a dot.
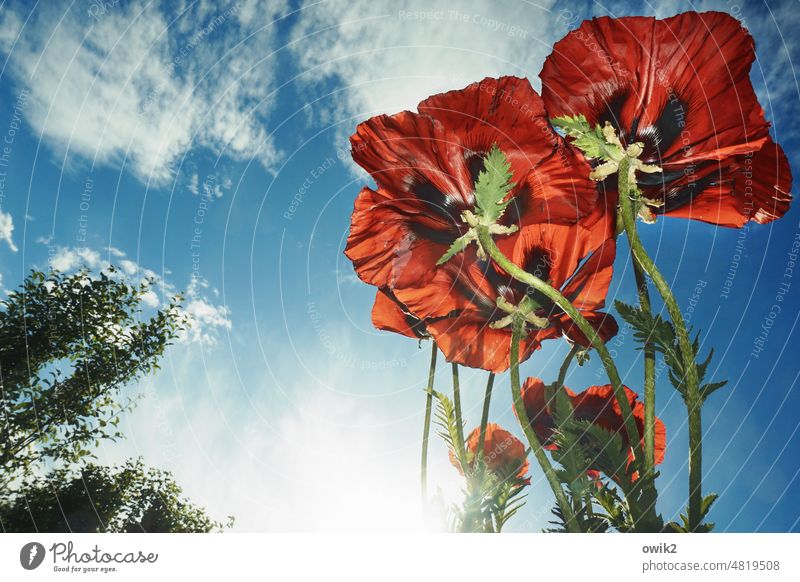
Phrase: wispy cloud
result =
(7, 230)
(146, 82)
(383, 56)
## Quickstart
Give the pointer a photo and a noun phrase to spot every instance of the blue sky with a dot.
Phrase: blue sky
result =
(206, 144)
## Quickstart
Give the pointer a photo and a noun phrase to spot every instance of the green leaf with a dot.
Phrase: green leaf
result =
(708, 501)
(446, 421)
(708, 389)
(661, 334)
(590, 140)
(458, 245)
(493, 185)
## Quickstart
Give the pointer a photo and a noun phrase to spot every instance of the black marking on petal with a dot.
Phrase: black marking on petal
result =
(680, 196)
(476, 163)
(612, 110)
(520, 202)
(436, 201)
(660, 136)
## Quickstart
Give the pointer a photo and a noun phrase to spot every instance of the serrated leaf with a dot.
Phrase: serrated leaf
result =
(571, 124)
(708, 501)
(458, 245)
(590, 140)
(493, 185)
(710, 388)
(445, 419)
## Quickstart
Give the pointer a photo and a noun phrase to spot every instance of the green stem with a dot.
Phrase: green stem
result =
(559, 385)
(649, 372)
(487, 398)
(426, 431)
(562, 372)
(536, 446)
(692, 395)
(459, 422)
(486, 241)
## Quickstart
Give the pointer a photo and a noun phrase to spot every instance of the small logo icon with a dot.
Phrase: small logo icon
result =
(31, 555)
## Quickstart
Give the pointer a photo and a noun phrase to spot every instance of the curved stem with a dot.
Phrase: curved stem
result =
(562, 372)
(692, 395)
(426, 431)
(487, 397)
(536, 445)
(586, 328)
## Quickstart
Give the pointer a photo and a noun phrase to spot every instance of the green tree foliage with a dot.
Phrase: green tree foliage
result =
(98, 499)
(68, 345)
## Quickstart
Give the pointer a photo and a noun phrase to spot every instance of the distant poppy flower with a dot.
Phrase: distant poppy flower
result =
(425, 165)
(680, 86)
(460, 303)
(596, 404)
(503, 453)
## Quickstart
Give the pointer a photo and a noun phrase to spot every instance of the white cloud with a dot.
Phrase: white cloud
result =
(194, 184)
(129, 266)
(389, 56)
(150, 299)
(147, 82)
(10, 25)
(207, 319)
(7, 230)
(66, 259)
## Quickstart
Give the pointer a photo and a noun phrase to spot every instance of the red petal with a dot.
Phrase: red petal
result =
(566, 247)
(456, 286)
(683, 83)
(388, 315)
(409, 150)
(702, 59)
(588, 287)
(603, 323)
(755, 186)
(501, 449)
(468, 340)
(509, 113)
(384, 250)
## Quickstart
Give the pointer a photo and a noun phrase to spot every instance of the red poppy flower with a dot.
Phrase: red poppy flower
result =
(596, 404)
(426, 165)
(503, 453)
(680, 86)
(460, 303)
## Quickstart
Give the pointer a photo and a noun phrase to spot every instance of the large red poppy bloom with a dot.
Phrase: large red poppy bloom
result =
(682, 87)
(596, 404)
(459, 305)
(425, 165)
(503, 453)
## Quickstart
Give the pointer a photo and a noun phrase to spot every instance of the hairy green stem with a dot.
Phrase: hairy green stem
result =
(426, 431)
(517, 330)
(692, 396)
(649, 372)
(559, 385)
(586, 328)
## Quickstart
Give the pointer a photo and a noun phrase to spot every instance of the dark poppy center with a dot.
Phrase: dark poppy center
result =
(446, 209)
(669, 189)
(538, 263)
